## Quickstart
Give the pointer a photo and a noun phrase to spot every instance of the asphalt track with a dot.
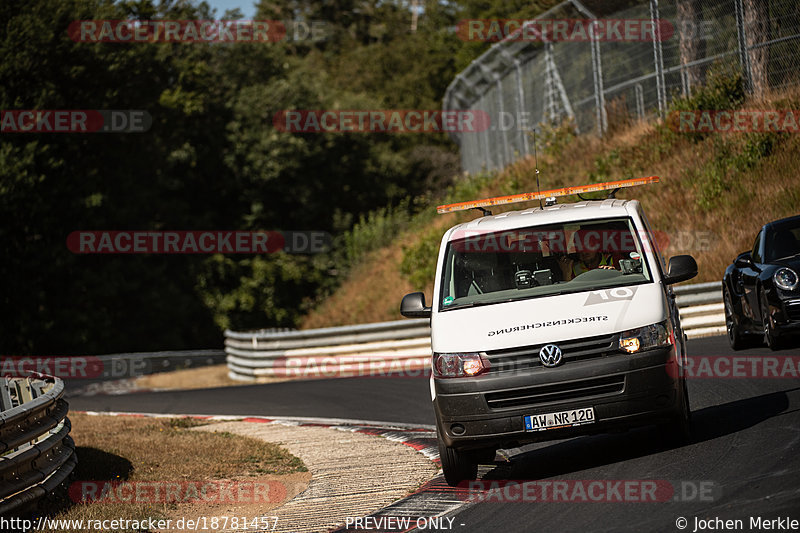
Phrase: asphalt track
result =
(745, 454)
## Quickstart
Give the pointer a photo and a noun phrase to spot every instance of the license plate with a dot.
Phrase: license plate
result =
(561, 419)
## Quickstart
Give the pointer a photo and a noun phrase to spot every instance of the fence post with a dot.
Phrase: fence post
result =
(658, 59)
(507, 158)
(597, 70)
(485, 137)
(521, 105)
(639, 100)
(597, 74)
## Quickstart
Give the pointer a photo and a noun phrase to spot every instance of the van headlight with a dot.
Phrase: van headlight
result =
(459, 365)
(785, 278)
(652, 336)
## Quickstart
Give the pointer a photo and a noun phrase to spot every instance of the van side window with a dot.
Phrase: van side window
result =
(653, 241)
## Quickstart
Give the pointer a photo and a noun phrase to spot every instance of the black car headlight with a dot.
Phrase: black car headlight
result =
(652, 336)
(785, 278)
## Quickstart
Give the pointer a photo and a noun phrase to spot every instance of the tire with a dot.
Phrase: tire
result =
(679, 430)
(771, 338)
(735, 337)
(457, 465)
(485, 457)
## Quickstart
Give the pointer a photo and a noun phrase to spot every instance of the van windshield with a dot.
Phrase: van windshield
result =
(484, 268)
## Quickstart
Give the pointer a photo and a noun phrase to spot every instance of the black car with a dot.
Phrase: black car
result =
(761, 289)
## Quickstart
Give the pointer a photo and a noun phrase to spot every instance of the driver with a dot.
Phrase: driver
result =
(589, 258)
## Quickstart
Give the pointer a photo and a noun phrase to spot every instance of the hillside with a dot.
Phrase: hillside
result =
(715, 192)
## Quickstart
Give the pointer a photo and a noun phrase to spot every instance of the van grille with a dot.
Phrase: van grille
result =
(556, 392)
(521, 358)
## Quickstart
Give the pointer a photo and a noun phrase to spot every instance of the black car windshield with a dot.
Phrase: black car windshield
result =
(484, 268)
(783, 240)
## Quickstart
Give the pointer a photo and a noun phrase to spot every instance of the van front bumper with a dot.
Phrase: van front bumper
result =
(625, 390)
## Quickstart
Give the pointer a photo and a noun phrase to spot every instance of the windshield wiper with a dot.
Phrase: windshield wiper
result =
(506, 300)
(474, 304)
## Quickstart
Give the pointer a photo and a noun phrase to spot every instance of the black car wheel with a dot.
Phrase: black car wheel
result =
(735, 337)
(457, 465)
(770, 336)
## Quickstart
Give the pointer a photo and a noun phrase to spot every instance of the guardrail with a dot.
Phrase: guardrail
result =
(701, 308)
(384, 347)
(346, 349)
(36, 452)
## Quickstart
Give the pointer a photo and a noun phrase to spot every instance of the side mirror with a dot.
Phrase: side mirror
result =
(744, 260)
(681, 268)
(413, 306)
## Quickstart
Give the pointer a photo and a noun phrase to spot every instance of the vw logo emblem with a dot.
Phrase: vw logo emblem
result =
(550, 355)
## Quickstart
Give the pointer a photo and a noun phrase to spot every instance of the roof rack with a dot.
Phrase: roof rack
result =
(614, 186)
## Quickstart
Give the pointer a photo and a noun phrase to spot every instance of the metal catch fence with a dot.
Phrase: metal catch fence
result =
(541, 75)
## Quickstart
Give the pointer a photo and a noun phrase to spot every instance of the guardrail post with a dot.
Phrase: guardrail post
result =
(5, 394)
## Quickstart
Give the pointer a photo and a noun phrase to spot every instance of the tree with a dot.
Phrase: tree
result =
(692, 47)
(756, 28)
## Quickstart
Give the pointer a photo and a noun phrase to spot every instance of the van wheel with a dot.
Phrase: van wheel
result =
(679, 430)
(485, 457)
(457, 465)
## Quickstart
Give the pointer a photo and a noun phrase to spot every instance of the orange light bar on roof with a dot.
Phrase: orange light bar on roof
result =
(529, 196)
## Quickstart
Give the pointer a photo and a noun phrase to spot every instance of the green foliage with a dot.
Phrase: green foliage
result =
(719, 176)
(374, 230)
(419, 260)
(554, 138)
(468, 187)
(256, 292)
(211, 160)
(757, 146)
(724, 90)
(604, 167)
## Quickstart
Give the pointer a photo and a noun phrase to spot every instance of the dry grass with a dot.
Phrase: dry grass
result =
(165, 450)
(372, 293)
(768, 190)
(207, 377)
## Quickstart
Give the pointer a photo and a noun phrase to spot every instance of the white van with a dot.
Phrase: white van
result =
(549, 323)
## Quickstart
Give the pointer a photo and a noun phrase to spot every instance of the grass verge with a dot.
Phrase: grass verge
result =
(163, 451)
(207, 377)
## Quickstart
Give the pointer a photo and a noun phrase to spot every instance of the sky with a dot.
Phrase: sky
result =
(245, 6)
